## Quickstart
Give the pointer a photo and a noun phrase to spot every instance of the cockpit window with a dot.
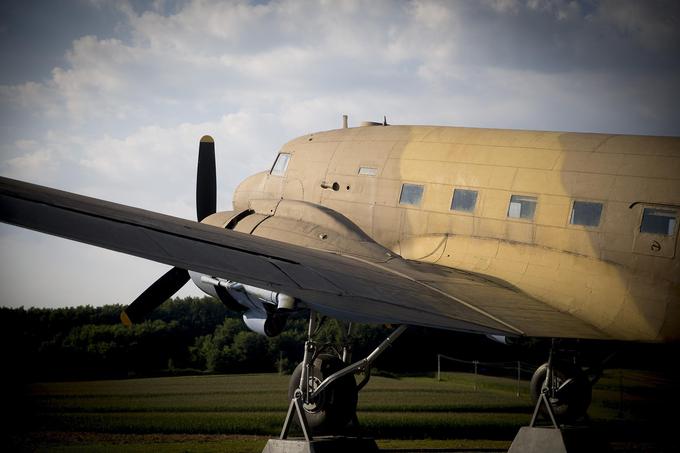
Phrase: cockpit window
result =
(658, 221)
(280, 165)
(368, 171)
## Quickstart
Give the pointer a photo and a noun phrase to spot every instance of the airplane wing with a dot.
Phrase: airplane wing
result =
(390, 290)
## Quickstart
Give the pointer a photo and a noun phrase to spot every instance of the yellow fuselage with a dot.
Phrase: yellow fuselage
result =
(620, 279)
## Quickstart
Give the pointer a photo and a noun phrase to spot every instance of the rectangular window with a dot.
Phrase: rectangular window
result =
(586, 213)
(464, 200)
(522, 207)
(658, 221)
(411, 194)
(280, 164)
(368, 171)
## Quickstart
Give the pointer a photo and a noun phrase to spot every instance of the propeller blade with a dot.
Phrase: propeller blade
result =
(206, 179)
(171, 282)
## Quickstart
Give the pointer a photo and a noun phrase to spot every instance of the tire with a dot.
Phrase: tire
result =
(337, 405)
(572, 402)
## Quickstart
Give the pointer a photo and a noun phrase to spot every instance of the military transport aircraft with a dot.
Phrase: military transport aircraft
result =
(498, 232)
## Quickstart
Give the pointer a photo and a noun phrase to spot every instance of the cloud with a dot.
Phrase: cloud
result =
(653, 24)
(259, 74)
(211, 56)
(30, 164)
(121, 114)
(71, 273)
(167, 156)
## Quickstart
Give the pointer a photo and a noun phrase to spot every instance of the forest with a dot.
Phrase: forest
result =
(192, 335)
(200, 335)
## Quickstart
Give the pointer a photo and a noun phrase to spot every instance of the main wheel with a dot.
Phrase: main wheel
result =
(335, 407)
(573, 390)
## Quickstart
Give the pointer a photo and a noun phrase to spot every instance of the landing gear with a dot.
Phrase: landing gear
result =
(567, 389)
(562, 392)
(335, 407)
(322, 389)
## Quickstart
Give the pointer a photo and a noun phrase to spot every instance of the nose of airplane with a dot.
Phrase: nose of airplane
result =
(253, 187)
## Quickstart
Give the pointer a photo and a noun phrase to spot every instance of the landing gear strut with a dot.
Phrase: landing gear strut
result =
(335, 407)
(323, 390)
(566, 387)
(562, 392)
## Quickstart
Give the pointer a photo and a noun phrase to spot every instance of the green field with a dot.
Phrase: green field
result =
(238, 413)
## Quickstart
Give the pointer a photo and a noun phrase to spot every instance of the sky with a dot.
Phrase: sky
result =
(110, 99)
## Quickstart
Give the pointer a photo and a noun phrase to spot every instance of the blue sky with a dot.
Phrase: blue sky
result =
(109, 99)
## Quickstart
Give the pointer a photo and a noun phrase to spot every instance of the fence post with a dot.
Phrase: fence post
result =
(475, 362)
(620, 414)
(439, 367)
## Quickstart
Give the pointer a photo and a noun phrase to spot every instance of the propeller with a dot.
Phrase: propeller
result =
(160, 291)
(173, 280)
(206, 179)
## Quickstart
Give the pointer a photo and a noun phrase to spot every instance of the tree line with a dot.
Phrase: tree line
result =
(184, 335)
(200, 335)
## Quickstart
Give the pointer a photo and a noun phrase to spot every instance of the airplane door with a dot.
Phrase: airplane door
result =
(657, 230)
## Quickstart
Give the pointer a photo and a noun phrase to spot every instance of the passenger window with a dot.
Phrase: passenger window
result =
(280, 165)
(411, 194)
(586, 213)
(368, 171)
(522, 207)
(658, 221)
(464, 200)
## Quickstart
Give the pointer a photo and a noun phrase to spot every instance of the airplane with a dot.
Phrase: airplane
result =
(509, 233)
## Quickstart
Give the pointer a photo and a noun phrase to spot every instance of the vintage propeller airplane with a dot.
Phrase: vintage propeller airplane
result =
(497, 232)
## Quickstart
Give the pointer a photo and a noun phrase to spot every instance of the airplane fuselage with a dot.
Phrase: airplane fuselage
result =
(586, 223)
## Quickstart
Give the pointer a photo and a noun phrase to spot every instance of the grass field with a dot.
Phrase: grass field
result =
(237, 413)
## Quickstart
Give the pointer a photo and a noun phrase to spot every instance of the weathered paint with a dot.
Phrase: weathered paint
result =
(609, 275)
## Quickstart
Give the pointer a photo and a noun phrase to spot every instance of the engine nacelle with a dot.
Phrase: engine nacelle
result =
(264, 311)
(268, 324)
(502, 339)
(292, 221)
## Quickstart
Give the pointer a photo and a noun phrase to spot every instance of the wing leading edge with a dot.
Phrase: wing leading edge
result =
(348, 287)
